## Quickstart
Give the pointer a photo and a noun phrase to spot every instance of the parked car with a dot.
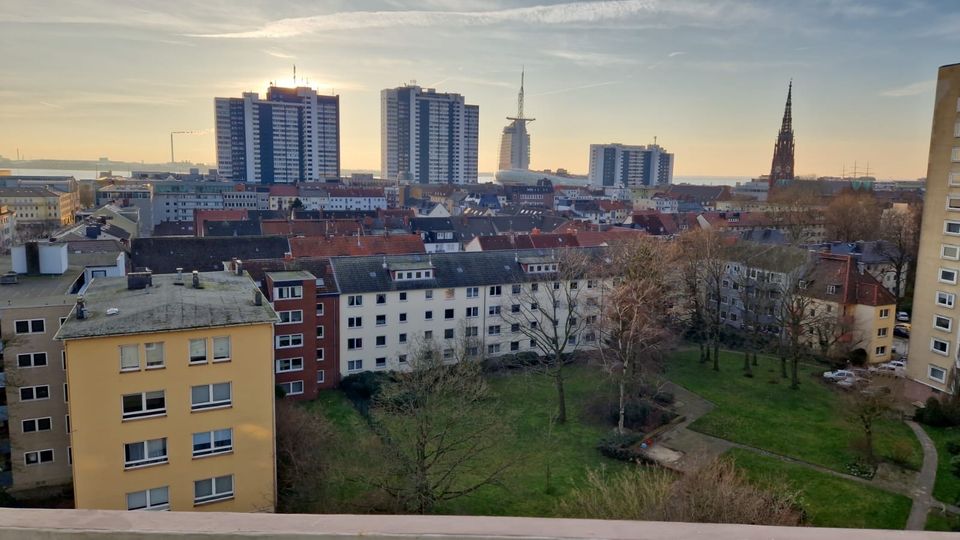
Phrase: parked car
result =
(903, 316)
(851, 382)
(839, 375)
(896, 367)
(902, 330)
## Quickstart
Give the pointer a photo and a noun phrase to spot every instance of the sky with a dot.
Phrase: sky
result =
(88, 79)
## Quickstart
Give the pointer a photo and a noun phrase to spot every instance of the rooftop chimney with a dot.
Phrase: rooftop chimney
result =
(179, 280)
(81, 309)
(196, 279)
(257, 297)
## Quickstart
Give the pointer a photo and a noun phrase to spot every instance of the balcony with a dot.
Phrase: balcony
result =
(34, 524)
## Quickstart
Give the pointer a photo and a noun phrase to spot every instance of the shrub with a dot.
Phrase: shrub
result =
(901, 453)
(362, 388)
(510, 361)
(955, 465)
(617, 446)
(939, 414)
(664, 398)
(953, 446)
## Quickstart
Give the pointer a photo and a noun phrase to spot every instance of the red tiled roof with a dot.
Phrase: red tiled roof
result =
(283, 190)
(354, 192)
(606, 238)
(853, 287)
(319, 246)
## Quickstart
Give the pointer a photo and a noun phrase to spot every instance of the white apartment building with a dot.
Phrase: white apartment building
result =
(933, 340)
(428, 137)
(630, 166)
(467, 305)
(293, 135)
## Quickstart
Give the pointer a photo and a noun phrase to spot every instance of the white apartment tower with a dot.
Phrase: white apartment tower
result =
(428, 137)
(291, 136)
(630, 166)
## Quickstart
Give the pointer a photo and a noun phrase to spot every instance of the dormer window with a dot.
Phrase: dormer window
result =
(410, 272)
(831, 289)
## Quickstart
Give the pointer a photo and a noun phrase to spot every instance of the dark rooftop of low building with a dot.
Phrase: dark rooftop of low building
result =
(165, 255)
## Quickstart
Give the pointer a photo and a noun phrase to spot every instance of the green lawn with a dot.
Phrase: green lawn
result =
(764, 412)
(828, 501)
(548, 460)
(947, 488)
(939, 522)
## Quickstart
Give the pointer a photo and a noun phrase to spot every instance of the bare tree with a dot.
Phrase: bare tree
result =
(852, 216)
(634, 320)
(796, 317)
(867, 406)
(704, 251)
(834, 331)
(305, 440)
(553, 313)
(796, 211)
(898, 246)
(438, 422)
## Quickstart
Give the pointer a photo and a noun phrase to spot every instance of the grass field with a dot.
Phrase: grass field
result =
(947, 488)
(765, 413)
(939, 522)
(828, 501)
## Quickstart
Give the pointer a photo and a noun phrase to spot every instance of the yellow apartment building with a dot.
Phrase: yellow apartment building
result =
(40, 205)
(171, 394)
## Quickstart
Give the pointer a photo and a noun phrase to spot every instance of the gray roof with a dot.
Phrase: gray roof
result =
(290, 275)
(226, 299)
(770, 257)
(459, 269)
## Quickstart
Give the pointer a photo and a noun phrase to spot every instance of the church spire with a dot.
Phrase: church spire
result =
(782, 167)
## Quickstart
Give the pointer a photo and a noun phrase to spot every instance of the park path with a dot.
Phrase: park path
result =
(699, 448)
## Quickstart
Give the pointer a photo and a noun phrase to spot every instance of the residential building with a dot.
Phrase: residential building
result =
(332, 246)
(292, 135)
(428, 137)
(540, 195)
(630, 166)
(176, 201)
(933, 338)
(39, 206)
(67, 186)
(467, 304)
(164, 255)
(38, 295)
(8, 228)
(171, 394)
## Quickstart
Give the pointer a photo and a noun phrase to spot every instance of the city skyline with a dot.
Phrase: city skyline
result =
(707, 79)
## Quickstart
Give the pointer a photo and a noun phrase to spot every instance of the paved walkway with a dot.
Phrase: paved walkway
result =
(699, 448)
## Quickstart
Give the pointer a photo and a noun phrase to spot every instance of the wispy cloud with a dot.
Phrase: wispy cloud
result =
(674, 54)
(574, 88)
(913, 89)
(278, 54)
(693, 12)
(592, 58)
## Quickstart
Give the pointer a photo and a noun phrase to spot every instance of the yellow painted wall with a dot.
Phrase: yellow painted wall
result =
(868, 322)
(99, 433)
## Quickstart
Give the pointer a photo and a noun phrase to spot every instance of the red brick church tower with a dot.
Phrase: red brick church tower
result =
(782, 168)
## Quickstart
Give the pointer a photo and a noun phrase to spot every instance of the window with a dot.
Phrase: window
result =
(320, 355)
(949, 252)
(885, 313)
(942, 323)
(34, 393)
(296, 316)
(831, 289)
(354, 322)
(381, 298)
(881, 350)
(381, 341)
(291, 388)
(515, 288)
(556, 285)
(882, 332)
(154, 355)
(208, 396)
(403, 317)
(29, 326)
(493, 348)
(471, 331)
(428, 334)
(354, 344)
(493, 330)
(534, 287)
(473, 292)
(495, 290)
(213, 489)
(939, 346)
(320, 377)
(493, 310)
(936, 373)
(380, 363)
(402, 358)
(32, 360)
(143, 453)
(515, 308)
(37, 424)
(38, 457)
(448, 354)
(354, 365)
(515, 327)
(129, 358)
(291, 291)
(946, 299)
(144, 404)
(948, 275)
(150, 499)
(221, 349)
(320, 332)
(514, 345)
(66, 423)
(428, 315)
(428, 295)
(285, 365)
(354, 300)
(402, 338)
(448, 333)
(289, 341)
(448, 314)
(403, 297)
(951, 227)
(198, 351)
(319, 310)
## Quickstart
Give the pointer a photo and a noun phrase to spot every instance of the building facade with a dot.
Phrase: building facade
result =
(428, 137)
(933, 338)
(8, 227)
(290, 136)
(630, 166)
(40, 205)
(171, 397)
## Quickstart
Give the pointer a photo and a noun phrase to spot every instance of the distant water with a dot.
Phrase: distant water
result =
(702, 180)
(76, 173)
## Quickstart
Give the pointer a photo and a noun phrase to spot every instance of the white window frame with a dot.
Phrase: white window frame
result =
(473, 292)
(288, 292)
(35, 422)
(211, 446)
(206, 352)
(213, 352)
(30, 324)
(39, 457)
(354, 365)
(885, 313)
(882, 332)
(33, 360)
(944, 248)
(149, 495)
(289, 387)
(291, 317)
(944, 352)
(930, 368)
(954, 179)
(34, 389)
(936, 319)
(144, 412)
(946, 227)
(953, 203)
(128, 347)
(147, 347)
(354, 322)
(211, 403)
(321, 376)
(288, 341)
(291, 363)
(951, 297)
(215, 493)
(941, 279)
(355, 300)
(880, 351)
(146, 461)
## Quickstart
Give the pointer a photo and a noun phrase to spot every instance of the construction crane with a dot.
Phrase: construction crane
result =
(172, 133)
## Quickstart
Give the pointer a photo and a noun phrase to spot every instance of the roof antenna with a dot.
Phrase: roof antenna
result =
(294, 74)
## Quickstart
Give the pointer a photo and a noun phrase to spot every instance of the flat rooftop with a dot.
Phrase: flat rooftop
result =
(291, 275)
(40, 290)
(224, 299)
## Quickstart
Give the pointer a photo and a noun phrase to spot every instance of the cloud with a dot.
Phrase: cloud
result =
(913, 89)
(574, 88)
(592, 58)
(693, 12)
(675, 54)
(278, 54)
